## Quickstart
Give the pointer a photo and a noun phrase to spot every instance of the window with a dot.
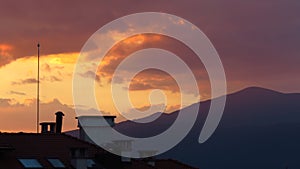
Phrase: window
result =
(78, 152)
(30, 163)
(56, 163)
(90, 163)
(82, 152)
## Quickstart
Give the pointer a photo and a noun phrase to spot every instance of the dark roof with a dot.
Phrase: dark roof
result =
(170, 163)
(14, 146)
(41, 147)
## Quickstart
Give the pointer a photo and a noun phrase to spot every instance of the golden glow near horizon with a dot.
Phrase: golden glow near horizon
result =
(56, 74)
(18, 86)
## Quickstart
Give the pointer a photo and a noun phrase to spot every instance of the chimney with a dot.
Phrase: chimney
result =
(59, 118)
(53, 127)
(100, 124)
(48, 127)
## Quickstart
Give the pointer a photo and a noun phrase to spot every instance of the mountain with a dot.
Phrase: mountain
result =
(259, 129)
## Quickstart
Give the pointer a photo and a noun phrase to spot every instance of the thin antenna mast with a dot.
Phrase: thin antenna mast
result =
(38, 92)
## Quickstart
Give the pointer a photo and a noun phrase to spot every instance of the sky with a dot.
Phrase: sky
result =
(257, 41)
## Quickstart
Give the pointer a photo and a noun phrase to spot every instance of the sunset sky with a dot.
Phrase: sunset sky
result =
(257, 41)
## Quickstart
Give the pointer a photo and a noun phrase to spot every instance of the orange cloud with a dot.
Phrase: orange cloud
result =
(123, 49)
(5, 48)
(152, 79)
(5, 54)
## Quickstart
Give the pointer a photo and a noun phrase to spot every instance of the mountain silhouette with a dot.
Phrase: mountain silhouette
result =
(259, 129)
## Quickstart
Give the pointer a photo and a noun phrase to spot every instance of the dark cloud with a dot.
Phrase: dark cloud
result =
(25, 81)
(51, 78)
(17, 93)
(257, 41)
(91, 74)
(54, 73)
(46, 67)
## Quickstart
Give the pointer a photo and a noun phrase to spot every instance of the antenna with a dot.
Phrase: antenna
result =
(38, 91)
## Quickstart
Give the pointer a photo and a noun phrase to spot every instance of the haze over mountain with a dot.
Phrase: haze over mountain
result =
(259, 129)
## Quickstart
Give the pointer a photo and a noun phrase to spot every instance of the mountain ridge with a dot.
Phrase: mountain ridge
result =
(259, 129)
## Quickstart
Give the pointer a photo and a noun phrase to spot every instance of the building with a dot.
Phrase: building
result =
(53, 149)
